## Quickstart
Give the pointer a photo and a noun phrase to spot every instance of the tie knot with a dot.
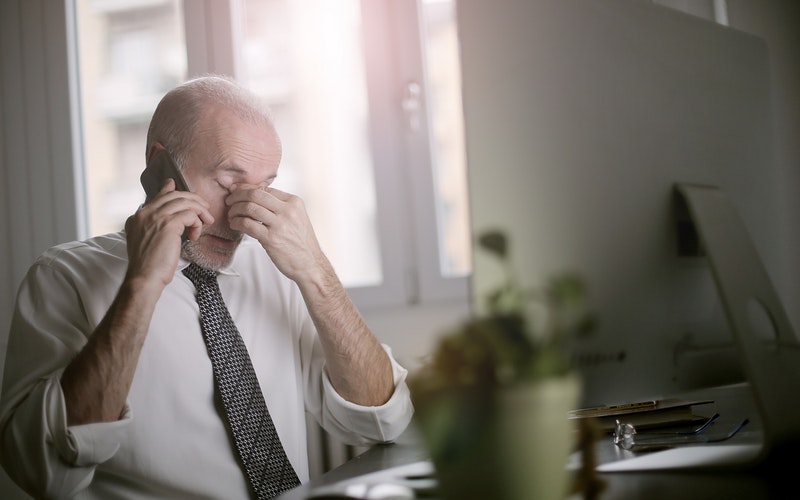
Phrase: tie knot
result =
(199, 275)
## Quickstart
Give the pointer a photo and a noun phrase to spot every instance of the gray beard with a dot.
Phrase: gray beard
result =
(191, 251)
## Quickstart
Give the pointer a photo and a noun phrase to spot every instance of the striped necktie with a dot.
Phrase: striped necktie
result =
(260, 451)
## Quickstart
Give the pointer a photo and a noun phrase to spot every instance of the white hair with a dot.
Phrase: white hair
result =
(174, 121)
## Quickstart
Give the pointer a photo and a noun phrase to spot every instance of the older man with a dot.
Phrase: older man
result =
(121, 380)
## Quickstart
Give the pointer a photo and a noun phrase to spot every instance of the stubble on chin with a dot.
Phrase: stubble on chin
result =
(194, 252)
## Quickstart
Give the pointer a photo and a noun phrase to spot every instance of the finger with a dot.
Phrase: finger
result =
(192, 224)
(169, 192)
(254, 211)
(249, 226)
(259, 190)
(277, 193)
(183, 221)
(175, 205)
(193, 233)
(168, 186)
(246, 192)
(175, 201)
(205, 217)
(177, 213)
(259, 196)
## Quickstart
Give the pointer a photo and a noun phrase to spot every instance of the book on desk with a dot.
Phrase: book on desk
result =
(643, 414)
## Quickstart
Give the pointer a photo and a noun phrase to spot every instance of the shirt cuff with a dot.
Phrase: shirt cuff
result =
(82, 445)
(382, 423)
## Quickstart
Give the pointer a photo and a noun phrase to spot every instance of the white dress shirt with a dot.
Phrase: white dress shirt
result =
(171, 441)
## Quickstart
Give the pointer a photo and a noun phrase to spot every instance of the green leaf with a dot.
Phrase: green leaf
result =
(494, 241)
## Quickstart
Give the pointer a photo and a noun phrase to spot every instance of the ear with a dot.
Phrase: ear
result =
(153, 149)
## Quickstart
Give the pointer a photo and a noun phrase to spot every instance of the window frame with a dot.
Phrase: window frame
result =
(401, 156)
(42, 54)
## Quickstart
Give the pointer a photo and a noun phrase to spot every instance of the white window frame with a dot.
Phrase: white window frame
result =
(403, 177)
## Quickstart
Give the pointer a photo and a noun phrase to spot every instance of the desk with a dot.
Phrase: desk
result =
(406, 450)
(775, 479)
(760, 484)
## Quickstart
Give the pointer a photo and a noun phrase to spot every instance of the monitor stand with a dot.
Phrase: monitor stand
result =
(769, 349)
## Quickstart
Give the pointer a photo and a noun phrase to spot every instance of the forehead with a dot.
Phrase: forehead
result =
(222, 139)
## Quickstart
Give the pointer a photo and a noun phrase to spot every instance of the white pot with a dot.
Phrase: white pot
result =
(535, 438)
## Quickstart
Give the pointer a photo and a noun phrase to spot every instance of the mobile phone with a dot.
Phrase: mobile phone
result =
(160, 168)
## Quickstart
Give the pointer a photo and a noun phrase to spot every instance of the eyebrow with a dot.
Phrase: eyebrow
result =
(239, 170)
(231, 168)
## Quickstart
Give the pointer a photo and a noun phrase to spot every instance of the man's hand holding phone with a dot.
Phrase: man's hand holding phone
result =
(159, 170)
(157, 230)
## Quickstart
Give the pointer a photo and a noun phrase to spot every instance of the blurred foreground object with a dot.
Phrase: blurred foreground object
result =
(492, 404)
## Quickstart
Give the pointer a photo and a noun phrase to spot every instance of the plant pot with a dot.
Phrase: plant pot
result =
(508, 443)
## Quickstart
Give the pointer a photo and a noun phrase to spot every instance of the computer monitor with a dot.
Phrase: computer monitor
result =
(581, 117)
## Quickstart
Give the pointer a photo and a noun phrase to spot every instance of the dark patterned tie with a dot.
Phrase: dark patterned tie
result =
(259, 446)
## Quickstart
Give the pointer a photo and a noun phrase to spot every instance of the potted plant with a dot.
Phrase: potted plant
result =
(492, 403)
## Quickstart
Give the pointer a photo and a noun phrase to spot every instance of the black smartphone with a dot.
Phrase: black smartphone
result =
(160, 168)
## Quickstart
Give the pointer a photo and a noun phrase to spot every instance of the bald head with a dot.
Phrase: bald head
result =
(175, 120)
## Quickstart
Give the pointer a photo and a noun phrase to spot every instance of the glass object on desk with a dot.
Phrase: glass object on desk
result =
(627, 437)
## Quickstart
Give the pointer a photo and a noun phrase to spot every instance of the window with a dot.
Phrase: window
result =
(130, 54)
(305, 59)
(366, 98)
(447, 135)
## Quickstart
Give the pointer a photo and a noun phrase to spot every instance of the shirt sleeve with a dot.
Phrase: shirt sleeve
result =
(39, 451)
(362, 425)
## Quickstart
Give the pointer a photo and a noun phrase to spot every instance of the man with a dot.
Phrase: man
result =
(109, 384)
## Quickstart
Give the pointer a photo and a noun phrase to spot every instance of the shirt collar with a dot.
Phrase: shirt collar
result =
(229, 270)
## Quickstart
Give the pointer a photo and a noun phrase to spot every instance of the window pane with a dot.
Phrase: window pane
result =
(130, 54)
(305, 58)
(443, 74)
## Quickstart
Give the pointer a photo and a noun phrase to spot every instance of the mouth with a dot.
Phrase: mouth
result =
(223, 244)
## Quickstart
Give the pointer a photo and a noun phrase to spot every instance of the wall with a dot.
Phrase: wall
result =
(38, 191)
(39, 188)
(777, 22)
